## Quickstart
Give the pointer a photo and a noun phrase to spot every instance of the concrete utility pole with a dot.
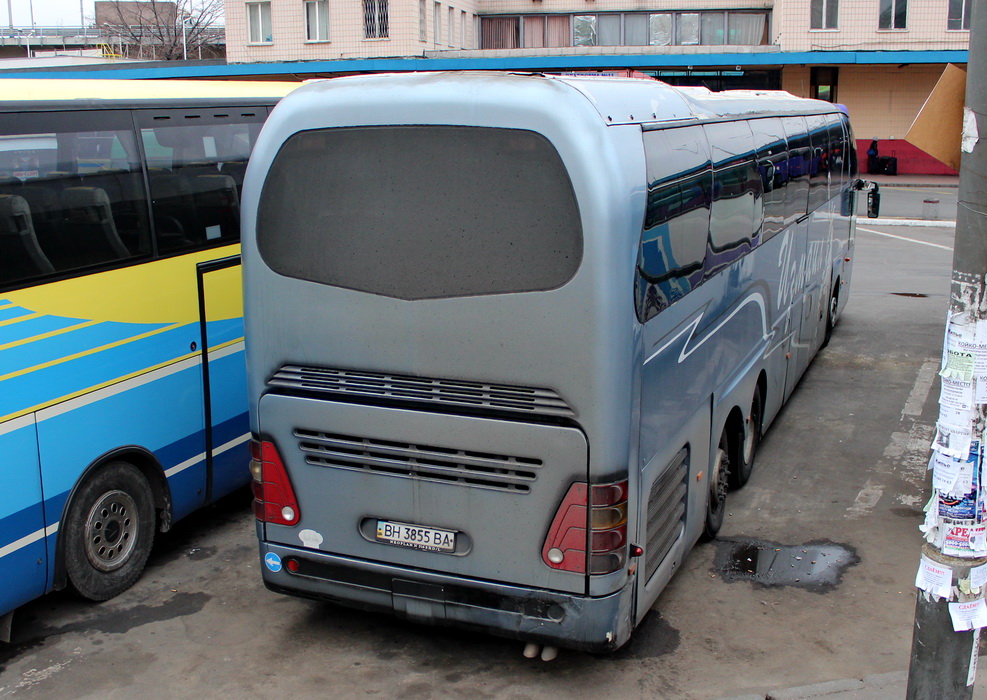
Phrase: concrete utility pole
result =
(952, 577)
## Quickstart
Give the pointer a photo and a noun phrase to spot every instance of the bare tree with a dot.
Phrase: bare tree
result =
(168, 30)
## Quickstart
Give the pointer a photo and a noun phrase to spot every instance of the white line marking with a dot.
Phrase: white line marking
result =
(920, 390)
(868, 497)
(903, 238)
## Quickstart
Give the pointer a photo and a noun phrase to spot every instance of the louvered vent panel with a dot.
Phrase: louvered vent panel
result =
(420, 389)
(666, 512)
(428, 462)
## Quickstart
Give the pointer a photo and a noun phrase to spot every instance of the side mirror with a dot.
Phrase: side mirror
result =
(873, 203)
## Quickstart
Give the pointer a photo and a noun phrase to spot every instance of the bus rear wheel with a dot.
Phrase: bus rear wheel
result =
(832, 313)
(109, 530)
(716, 497)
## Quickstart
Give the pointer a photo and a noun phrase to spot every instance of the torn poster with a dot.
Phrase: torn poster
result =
(968, 615)
(963, 540)
(954, 432)
(933, 578)
(978, 576)
(961, 343)
(968, 503)
(930, 526)
(971, 674)
(956, 477)
(980, 363)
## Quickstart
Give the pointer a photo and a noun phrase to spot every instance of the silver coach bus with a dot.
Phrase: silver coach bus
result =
(511, 339)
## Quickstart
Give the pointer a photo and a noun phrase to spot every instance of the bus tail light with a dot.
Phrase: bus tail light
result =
(593, 515)
(274, 499)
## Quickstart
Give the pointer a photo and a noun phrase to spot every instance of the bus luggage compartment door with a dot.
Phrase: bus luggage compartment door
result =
(462, 495)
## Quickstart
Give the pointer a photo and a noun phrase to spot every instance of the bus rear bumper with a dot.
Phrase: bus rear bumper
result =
(598, 624)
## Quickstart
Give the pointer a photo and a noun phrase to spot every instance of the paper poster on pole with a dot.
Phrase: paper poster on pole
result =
(980, 363)
(957, 393)
(978, 576)
(968, 615)
(963, 540)
(934, 578)
(954, 432)
(945, 472)
(961, 343)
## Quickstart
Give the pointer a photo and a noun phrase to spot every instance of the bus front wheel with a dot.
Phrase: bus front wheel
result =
(716, 497)
(109, 529)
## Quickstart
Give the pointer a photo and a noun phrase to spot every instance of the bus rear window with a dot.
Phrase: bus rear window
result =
(421, 212)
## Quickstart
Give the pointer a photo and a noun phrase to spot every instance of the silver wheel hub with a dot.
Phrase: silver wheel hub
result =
(111, 530)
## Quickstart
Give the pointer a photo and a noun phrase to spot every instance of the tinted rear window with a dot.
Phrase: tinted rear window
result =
(421, 212)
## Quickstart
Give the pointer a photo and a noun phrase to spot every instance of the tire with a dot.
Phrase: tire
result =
(109, 530)
(749, 441)
(716, 496)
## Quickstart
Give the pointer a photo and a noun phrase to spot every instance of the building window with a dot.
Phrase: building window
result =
(714, 28)
(824, 14)
(462, 29)
(823, 82)
(317, 20)
(437, 21)
(375, 19)
(452, 27)
(422, 22)
(959, 14)
(259, 23)
(894, 14)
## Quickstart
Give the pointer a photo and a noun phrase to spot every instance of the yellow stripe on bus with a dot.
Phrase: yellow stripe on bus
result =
(49, 334)
(25, 317)
(85, 353)
(159, 291)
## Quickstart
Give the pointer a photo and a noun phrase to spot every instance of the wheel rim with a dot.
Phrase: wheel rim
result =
(111, 530)
(834, 304)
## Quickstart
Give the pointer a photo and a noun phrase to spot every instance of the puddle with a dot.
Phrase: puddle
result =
(913, 295)
(816, 566)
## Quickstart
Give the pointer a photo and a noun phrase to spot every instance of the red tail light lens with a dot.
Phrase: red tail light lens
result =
(593, 516)
(274, 499)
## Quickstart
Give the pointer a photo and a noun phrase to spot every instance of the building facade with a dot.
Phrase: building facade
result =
(881, 58)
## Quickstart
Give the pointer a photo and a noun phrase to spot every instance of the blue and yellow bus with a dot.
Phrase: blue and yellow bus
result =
(122, 397)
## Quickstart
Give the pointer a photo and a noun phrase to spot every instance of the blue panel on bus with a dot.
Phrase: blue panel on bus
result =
(79, 374)
(71, 342)
(225, 331)
(22, 546)
(9, 312)
(31, 327)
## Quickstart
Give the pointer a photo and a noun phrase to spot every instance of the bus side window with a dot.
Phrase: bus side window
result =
(735, 219)
(80, 192)
(797, 197)
(837, 154)
(195, 171)
(676, 226)
(772, 165)
(820, 165)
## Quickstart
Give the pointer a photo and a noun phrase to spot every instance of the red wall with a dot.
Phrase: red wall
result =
(911, 160)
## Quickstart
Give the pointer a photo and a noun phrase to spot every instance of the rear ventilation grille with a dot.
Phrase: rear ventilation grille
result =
(666, 511)
(421, 389)
(428, 462)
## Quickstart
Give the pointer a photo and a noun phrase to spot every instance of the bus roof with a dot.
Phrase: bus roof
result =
(17, 92)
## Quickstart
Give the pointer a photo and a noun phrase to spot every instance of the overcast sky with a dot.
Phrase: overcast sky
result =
(47, 13)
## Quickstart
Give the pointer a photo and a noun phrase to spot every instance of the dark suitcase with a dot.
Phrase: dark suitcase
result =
(888, 165)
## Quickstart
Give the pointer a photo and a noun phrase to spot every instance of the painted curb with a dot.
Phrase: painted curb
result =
(928, 223)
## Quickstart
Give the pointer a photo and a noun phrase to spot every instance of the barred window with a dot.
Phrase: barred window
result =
(375, 19)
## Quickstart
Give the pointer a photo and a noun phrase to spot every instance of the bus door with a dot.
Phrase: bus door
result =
(793, 259)
(223, 375)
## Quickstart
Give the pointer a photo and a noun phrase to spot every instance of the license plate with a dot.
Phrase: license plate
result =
(429, 539)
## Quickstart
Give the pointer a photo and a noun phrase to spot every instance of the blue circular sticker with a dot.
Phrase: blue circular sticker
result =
(273, 561)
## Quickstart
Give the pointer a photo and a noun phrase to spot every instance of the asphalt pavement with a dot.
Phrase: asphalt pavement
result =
(843, 469)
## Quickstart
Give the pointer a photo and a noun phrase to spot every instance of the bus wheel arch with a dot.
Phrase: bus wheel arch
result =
(145, 486)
